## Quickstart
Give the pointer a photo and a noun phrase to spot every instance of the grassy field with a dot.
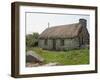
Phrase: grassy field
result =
(72, 57)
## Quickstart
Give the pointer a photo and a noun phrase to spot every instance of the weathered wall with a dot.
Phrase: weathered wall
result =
(68, 44)
(84, 36)
(41, 44)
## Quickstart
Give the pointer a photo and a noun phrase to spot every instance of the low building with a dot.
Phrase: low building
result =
(65, 37)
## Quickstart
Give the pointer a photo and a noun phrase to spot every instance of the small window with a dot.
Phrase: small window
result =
(45, 41)
(62, 42)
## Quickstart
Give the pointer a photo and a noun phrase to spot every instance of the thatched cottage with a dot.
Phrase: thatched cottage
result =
(65, 37)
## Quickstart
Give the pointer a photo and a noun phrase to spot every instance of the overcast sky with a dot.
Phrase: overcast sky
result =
(38, 22)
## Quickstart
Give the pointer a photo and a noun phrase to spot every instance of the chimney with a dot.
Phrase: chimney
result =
(83, 22)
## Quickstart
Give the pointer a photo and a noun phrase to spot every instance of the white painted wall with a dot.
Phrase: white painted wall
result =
(5, 40)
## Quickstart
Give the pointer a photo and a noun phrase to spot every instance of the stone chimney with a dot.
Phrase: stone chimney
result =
(83, 22)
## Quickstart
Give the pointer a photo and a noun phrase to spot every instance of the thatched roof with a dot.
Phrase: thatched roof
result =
(62, 31)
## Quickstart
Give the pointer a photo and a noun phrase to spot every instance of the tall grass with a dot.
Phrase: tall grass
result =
(72, 57)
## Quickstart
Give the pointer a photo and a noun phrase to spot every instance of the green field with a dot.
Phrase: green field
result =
(72, 57)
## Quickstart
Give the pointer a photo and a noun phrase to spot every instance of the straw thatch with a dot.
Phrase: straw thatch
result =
(62, 31)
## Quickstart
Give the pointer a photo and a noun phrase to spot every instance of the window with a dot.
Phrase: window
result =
(45, 41)
(62, 42)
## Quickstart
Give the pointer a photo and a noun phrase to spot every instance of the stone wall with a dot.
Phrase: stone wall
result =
(49, 45)
(68, 44)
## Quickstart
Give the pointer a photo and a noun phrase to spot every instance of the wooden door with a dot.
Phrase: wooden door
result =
(54, 44)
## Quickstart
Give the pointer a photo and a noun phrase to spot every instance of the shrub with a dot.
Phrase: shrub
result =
(32, 40)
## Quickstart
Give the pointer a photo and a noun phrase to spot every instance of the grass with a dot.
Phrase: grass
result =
(72, 57)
